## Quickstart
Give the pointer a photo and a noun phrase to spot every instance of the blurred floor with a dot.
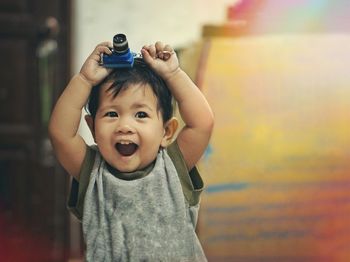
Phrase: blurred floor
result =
(18, 243)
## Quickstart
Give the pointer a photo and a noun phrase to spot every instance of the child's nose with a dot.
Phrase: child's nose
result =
(124, 127)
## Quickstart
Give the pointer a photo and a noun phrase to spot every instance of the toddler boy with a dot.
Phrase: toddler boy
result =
(137, 191)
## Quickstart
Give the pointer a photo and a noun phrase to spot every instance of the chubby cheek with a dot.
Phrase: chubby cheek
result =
(154, 140)
(102, 137)
(148, 155)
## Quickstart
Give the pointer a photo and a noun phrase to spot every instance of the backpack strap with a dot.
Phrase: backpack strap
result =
(191, 181)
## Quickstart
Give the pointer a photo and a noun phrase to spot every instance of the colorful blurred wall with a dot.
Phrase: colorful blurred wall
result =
(277, 169)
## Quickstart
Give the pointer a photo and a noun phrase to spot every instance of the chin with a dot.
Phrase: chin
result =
(125, 169)
(121, 168)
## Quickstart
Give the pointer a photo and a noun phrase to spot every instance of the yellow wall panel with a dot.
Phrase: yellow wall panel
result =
(277, 170)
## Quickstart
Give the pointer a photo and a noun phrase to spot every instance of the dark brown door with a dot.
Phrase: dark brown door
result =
(33, 69)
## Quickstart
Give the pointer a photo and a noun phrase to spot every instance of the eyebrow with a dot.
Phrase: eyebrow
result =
(137, 105)
(142, 105)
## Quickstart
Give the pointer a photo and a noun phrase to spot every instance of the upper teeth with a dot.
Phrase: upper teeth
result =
(123, 142)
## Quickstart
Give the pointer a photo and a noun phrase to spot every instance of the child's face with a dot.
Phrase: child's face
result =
(129, 128)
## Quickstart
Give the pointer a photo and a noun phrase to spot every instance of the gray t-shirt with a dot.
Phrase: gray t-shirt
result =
(149, 215)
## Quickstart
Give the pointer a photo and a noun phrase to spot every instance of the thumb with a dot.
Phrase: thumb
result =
(146, 56)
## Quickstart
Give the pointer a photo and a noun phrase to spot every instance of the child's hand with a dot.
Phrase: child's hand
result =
(91, 70)
(162, 59)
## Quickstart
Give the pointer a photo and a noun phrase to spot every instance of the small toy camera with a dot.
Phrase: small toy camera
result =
(121, 56)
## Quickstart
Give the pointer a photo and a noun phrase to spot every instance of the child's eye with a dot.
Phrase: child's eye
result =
(141, 115)
(111, 114)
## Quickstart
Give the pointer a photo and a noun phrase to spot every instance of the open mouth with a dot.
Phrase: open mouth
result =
(126, 148)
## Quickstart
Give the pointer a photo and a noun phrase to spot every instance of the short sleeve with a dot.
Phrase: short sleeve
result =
(78, 188)
(191, 181)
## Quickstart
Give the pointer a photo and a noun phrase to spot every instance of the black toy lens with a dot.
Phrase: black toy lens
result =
(119, 38)
(120, 43)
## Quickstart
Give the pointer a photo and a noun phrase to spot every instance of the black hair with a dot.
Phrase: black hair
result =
(140, 73)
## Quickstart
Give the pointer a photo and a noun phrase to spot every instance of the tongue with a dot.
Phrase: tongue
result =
(126, 149)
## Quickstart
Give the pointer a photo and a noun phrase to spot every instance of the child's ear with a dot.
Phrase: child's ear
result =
(170, 128)
(90, 122)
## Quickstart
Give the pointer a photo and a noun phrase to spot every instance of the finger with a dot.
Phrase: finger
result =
(152, 51)
(146, 55)
(159, 49)
(165, 55)
(168, 48)
(99, 50)
(107, 44)
(159, 46)
(97, 53)
(145, 47)
(103, 48)
(164, 51)
(160, 55)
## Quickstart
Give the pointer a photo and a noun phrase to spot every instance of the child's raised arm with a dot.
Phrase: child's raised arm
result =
(68, 145)
(194, 108)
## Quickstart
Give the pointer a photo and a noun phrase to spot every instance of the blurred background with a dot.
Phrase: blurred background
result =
(277, 170)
